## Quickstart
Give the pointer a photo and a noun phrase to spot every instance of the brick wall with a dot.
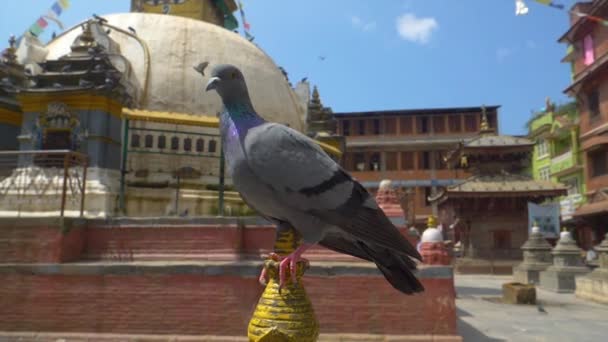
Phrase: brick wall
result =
(39, 242)
(213, 305)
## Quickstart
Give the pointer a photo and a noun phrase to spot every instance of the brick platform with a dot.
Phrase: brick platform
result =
(193, 280)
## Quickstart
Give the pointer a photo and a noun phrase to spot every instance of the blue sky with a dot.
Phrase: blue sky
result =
(393, 54)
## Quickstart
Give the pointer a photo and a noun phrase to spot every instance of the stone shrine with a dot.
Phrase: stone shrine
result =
(594, 285)
(537, 258)
(567, 264)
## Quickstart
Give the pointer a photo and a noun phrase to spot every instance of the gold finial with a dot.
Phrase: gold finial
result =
(431, 222)
(484, 119)
(315, 96)
(286, 314)
(9, 56)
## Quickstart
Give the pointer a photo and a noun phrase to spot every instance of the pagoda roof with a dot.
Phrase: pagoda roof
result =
(490, 140)
(503, 185)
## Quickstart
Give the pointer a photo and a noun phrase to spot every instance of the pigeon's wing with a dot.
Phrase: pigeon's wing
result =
(305, 178)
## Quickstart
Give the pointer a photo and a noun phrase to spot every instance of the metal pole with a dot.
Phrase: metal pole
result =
(177, 195)
(221, 189)
(84, 184)
(123, 167)
(433, 171)
(65, 182)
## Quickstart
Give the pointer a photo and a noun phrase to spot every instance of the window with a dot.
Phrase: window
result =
(135, 140)
(427, 193)
(440, 164)
(599, 163)
(149, 141)
(405, 125)
(187, 144)
(470, 123)
(212, 146)
(424, 160)
(391, 161)
(374, 162)
(544, 173)
(390, 126)
(593, 101)
(492, 120)
(162, 142)
(359, 161)
(200, 145)
(175, 143)
(422, 125)
(361, 127)
(376, 126)
(572, 184)
(438, 124)
(542, 148)
(346, 128)
(454, 123)
(589, 53)
(407, 160)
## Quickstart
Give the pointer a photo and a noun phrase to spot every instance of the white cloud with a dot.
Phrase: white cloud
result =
(502, 53)
(362, 25)
(417, 30)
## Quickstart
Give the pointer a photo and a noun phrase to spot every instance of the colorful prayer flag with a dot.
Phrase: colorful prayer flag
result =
(64, 3)
(56, 8)
(544, 2)
(35, 29)
(42, 23)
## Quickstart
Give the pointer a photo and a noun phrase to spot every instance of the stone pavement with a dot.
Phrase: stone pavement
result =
(482, 317)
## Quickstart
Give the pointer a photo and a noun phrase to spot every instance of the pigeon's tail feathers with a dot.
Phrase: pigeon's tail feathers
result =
(397, 269)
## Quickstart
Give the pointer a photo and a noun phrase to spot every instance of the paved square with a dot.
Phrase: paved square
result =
(482, 317)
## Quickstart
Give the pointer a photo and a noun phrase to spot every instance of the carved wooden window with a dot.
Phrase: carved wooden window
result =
(346, 128)
(593, 101)
(200, 145)
(424, 160)
(376, 130)
(470, 123)
(407, 160)
(149, 141)
(599, 162)
(391, 161)
(175, 143)
(454, 123)
(361, 127)
(135, 140)
(405, 125)
(422, 125)
(438, 124)
(390, 126)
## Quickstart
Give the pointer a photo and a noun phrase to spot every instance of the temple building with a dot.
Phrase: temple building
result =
(488, 210)
(408, 147)
(101, 89)
(588, 55)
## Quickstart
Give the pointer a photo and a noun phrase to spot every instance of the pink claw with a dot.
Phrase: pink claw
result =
(291, 262)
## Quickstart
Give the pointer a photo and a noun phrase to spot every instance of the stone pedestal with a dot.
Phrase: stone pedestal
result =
(537, 258)
(567, 264)
(594, 286)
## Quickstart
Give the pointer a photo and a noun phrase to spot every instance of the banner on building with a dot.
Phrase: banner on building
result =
(546, 216)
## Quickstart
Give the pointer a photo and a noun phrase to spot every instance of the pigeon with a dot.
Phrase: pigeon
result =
(200, 68)
(303, 79)
(66, 68)
(287, 178)
(132, 30)
(100, 19)
(540, 308)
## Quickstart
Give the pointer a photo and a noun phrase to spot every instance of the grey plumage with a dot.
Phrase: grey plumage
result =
(132, 30)
(289, 179)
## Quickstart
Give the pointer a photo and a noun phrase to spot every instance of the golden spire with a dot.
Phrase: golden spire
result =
(485, 126)
(9, 56)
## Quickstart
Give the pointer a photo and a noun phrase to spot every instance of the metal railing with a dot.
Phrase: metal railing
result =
(30, 176)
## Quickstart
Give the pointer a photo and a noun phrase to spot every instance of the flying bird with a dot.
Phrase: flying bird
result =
(322, 58)
(290, 180)
(200, 68)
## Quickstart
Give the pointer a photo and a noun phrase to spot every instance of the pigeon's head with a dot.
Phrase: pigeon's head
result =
(229, 82)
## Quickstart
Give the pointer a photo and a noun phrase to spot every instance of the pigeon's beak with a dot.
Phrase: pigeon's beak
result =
(212, 83)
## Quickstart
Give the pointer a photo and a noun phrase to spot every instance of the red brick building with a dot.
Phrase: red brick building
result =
(408, 147)
(588, 54)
